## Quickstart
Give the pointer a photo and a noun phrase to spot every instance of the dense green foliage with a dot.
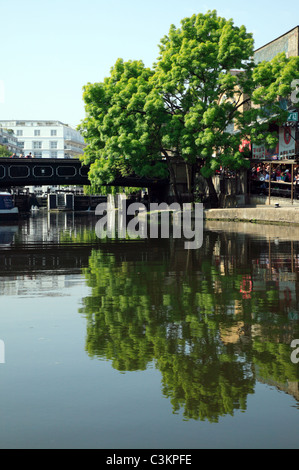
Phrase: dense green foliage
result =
(116, 128)
(190, 107)
(4, 152)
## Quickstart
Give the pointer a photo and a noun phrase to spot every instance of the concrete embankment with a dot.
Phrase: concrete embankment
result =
(260, 215)
(270, 231)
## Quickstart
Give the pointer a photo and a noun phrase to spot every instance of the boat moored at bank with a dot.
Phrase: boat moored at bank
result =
(7, 208)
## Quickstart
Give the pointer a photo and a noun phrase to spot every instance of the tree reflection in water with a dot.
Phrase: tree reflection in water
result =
(213, 321)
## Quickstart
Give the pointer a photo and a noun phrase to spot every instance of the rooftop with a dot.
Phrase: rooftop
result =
(276, 39)
(30, 122)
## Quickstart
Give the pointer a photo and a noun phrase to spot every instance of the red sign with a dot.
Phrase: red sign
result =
(245, 144)
(287, 135)
(287, 142)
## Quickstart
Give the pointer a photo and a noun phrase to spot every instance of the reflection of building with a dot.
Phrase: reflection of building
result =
(46, 269)
(46, 139)
(233, 334)
(36, 285)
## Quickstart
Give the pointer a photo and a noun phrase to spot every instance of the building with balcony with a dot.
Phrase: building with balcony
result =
(9, 140)
(45, 139)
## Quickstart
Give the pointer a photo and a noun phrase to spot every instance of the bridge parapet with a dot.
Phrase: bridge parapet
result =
(59, 171)
(41, 171)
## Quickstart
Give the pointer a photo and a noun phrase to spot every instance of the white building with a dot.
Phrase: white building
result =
(46, 139)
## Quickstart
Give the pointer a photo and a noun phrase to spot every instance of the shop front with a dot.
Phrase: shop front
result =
(275, 172)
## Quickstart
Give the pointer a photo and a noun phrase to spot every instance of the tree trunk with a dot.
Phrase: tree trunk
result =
(190, 176)
(172, 178)
(212, 193)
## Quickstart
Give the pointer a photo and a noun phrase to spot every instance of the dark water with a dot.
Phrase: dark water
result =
(119, 344)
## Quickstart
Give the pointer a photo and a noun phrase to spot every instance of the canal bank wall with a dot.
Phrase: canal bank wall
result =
(270, 231)
(260, 215)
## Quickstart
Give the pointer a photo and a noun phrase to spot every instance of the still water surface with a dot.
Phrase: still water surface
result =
(119, 344)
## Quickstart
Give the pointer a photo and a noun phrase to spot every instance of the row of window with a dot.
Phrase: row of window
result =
(37, 144)
(37, 132)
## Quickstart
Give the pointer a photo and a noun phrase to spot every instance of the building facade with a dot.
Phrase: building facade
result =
(287, 147)
(9, 140)
(288, 43)
(46, 139)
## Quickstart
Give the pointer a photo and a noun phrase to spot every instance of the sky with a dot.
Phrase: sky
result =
(52, 48)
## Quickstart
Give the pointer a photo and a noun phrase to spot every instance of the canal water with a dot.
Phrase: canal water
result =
(142, 344)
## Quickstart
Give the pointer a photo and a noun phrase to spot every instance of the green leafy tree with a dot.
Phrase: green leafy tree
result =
(120, 137)
(183, 109)
(4, 152)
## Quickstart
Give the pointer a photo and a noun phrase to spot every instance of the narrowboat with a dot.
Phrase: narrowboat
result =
(7, 208)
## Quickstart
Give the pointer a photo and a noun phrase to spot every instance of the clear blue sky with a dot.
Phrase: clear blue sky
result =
(51, 48)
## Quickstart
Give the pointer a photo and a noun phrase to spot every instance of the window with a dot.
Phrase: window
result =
(53, 154)
(53, 144)
(37, 132)
(53, 132)
(21, 144)
(20, 133)
(37, 154)
(37, 145)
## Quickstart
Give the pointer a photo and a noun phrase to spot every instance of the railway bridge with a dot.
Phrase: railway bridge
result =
(16, 172)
